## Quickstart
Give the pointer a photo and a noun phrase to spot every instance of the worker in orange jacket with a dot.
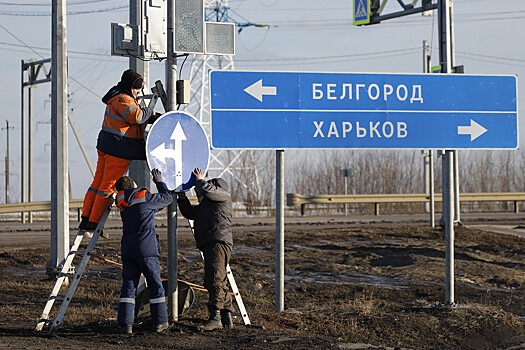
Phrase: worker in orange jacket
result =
(120, 141)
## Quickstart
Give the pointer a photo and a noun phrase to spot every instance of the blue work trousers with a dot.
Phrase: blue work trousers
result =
(131, 271)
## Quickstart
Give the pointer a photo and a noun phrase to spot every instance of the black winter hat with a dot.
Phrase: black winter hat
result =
(131, 79)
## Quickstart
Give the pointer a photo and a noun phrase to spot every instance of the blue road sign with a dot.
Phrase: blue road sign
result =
(361, 12)
(279, 110)
(177, 144)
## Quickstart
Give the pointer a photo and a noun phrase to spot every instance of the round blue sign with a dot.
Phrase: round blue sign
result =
(176, 144)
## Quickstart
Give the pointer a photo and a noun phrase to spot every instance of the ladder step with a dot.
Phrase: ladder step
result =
(45, 321)
(66, 274)
(68, 271)
(55, 298)
(77, 252)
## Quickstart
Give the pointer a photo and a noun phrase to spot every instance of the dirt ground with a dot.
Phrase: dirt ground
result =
(348, 285)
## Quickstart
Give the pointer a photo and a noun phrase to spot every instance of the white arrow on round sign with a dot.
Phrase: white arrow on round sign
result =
(177, 144)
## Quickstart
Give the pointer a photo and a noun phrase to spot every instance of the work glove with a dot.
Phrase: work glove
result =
(154, 117)
(157, 177)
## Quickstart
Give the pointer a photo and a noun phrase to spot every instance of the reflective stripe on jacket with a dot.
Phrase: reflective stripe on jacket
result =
(122, 135)
(135, 197)
(137, 210)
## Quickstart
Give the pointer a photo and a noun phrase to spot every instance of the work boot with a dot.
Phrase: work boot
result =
(226, 319)
(159, 328)
(213, 323)
(90, 226)
(83, 222)
(125, 329)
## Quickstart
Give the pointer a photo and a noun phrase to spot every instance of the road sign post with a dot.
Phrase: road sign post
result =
(176, 144)
(283, 110)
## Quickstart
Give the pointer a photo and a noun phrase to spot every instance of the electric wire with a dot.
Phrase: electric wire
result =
(47, 4)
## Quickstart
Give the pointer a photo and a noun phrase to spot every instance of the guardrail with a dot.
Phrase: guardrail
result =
(295, 199)
(74, 204)
(37, 206)
(300, 200)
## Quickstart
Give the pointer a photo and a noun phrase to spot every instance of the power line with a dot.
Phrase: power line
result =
(48, 49)
(71, 13)
(47, 4)
(472, 55)
(365, 54)
(29, 47)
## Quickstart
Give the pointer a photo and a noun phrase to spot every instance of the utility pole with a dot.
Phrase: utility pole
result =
(59, 141)
(7, 127)
(33, 73)
(138, 169)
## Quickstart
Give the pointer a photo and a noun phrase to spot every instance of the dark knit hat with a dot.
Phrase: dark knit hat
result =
(131, 79)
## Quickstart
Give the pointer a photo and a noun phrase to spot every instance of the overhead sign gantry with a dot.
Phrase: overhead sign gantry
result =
(367, 12)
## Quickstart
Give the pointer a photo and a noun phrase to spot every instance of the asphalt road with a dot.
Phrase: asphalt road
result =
(15, 233)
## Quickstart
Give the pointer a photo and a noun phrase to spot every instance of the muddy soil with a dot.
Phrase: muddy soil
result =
(347, 286)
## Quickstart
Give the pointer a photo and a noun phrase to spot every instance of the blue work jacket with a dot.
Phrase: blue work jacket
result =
(137, 210)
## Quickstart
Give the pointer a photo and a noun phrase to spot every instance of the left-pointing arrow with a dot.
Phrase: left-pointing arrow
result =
(161, 153)
(474, 130)
(257, 90)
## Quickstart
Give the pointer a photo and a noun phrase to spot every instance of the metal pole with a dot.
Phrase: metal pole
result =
(457, 218)
(30, 149)
(138, 169)
(59, 141)
(431, 188)
(173, 292)
(279, 235)
(346, 192)
(457, 209)
(445, 58)
(171, 76)
(429, 155)
(7, 163)
(426, 166)
(23, 169)
(448, 201)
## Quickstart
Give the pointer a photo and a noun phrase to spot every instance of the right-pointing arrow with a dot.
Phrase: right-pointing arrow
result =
(474, 130)
(257, 90)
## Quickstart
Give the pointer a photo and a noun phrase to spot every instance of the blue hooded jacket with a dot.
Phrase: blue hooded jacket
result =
(137, 210)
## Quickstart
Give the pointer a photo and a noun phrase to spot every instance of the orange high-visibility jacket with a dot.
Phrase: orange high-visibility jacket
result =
(121, 135)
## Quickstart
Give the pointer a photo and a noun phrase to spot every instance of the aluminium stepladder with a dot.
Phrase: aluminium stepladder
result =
(234, 287)
(52, 324)
(63, 276)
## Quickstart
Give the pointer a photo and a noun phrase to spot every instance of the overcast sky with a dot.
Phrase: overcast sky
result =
(298, 35)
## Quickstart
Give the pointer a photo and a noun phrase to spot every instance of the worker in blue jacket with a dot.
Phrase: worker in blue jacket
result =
(140, 249)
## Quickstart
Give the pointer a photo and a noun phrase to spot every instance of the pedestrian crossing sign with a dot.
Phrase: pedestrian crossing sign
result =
(361, 10)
